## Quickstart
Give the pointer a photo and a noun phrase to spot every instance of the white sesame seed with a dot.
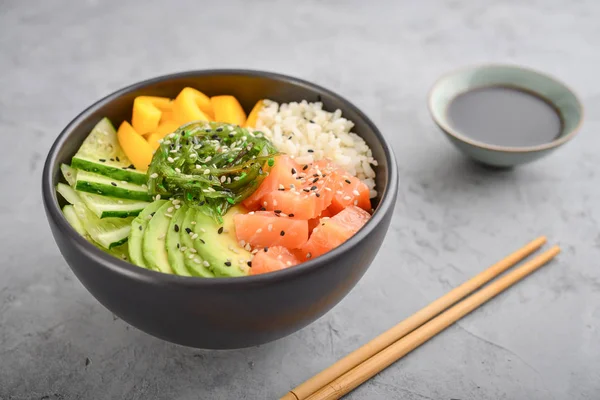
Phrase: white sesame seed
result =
(251, 213)
(328, 189)
(161, 237)
(154, 175)
(355, 202)
(176, 201)
(206, 171)
(183, 248)
(355, 192)
(191, 256)
(247, 247)
(259, 230)
(270, 227)
(198, 166)
(194, 236)
(177, 170)
(206, 263)
(225, 231)
(168, 215)
(289, 263)
(274, 202)
(254, 251)
(197, 260)
(170, 209)
(265, 203)
(208, 159)
(223, 178)
(279, 257)
(172, 135)
(177, 206)
(281, 186)
(347, 198)
(308, 255)
(242, 243)
(194, 223)
(170, 159)
(202, 230)
(193, 250)
(157, 197)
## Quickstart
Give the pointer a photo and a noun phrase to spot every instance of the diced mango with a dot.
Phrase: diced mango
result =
(163, 130)
(253, 116)
(136, 148)
(192, 105)
(167, 116)
(147, 112)
(228, 109)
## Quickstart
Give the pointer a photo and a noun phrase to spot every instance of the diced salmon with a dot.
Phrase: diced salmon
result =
(312, 223)
(332, 232)
(266, 229)
(348, 190)
(272, 259)
(279, 174)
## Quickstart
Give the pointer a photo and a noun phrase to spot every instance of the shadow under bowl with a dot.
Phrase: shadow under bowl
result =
(564, 100)
(221, 313)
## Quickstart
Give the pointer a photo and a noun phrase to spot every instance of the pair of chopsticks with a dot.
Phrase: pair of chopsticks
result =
(364, 363)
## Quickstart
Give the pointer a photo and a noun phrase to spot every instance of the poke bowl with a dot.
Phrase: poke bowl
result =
(229, 209)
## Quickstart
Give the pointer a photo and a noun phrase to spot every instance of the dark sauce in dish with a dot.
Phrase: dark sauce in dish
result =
(505, 116)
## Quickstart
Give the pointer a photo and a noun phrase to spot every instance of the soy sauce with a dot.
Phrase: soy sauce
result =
(505, 116)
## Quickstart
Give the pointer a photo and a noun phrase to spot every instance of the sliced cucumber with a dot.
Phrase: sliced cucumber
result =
(138, 227)
(101, 153)
(195, 264)
(107, 207)
(68, 193)
(121, 251)
(107, 232)
(73, 219)
(69, 173)
(99, 184)
(173, 244)
(153, 243)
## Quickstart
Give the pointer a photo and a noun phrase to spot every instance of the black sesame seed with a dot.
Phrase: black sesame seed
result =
(294, 171)
(207, 130)
(203, 242)
(304, 168)
(131, 166)
(282, 233)
(228, 263)
(315, 175)
(281, 189)
(291, 215)
(306, 190)
(152, 214)
(182, 133)
(277, 211)
(318, 194)
(176, 227)
(220, 230)
(313, 188)
(219, 129)
(263, 209)
(348, 181)
(266, 249)
(231, 134)
(249, 263)
(117, 158)
(319, 99)
(112, 159)
(215, 137)
(178, 245)
(315, 180)
(114, 184)
(310, 150)
(102, 159)
(188, 230)
(140, 227)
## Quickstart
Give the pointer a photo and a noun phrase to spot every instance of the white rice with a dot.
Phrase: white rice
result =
(295, 128)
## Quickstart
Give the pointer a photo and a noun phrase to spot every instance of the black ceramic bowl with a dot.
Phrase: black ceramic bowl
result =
(221, 313)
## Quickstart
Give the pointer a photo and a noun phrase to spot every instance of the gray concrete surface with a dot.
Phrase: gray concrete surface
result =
(541, 340)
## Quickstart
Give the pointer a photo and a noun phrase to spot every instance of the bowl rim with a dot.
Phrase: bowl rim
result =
(505, 149)
(129, 270)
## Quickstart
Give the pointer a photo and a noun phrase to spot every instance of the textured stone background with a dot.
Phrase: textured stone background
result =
(541, 340)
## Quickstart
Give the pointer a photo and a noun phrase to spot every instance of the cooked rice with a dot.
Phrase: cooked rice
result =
(297, 128)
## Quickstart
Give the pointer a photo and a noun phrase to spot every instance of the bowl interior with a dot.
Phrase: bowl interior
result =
(553, 91)
(248, 87)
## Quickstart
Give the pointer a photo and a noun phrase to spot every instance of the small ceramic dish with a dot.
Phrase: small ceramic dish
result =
(447, 88)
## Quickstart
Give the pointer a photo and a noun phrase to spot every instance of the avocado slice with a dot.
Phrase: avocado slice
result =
(173, 243)
(138, 227)
(218, 245)
(153, 243)
(195, 264)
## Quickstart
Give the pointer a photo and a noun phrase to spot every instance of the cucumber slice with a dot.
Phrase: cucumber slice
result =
(195, 264)
(121, 251)
(107, 207)
(138, 227)
(107, 232)
(174, 253)
(68, 193)
(101, 153)
(73, 219)
(153, 243)
(70, 174)
(99, 184)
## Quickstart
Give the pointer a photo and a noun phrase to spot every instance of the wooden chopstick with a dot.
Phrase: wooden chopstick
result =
(353, 359)
(371, 367)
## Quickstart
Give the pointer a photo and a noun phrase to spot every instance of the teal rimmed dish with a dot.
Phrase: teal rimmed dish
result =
(563, 99)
